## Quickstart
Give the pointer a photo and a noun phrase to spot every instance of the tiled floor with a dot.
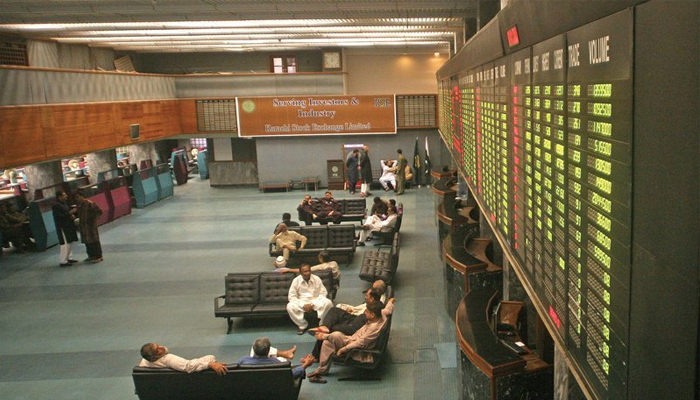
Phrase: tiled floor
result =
(74, 333)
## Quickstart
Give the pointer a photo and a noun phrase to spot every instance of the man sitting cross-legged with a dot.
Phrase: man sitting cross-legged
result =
(338, 343)
(306, 294)
(340, 320)
(261, 355)
(375, 224)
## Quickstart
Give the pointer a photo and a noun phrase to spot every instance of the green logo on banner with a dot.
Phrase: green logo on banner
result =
(248, 106)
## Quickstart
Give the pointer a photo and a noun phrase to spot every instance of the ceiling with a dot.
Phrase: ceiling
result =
(240, 25)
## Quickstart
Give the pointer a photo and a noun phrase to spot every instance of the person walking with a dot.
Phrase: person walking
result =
(88, 215)
(64, 218)
(400, 172)
(365, 171)
(353, 163)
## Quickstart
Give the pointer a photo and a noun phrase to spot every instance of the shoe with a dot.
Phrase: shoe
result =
(72, 261)
(64, 264)
(301, 331)
(360, 243)
(369, 239)
(368, 194)
(96, 260)
(352, 192)
(88, 259)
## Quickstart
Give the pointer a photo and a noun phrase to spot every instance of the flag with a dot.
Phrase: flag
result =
(427, 161)
(417, 165)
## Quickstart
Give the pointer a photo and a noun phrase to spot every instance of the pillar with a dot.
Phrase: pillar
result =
(100, 162)
(43, 175)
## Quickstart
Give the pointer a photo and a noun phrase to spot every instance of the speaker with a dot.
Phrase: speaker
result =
(134, 131)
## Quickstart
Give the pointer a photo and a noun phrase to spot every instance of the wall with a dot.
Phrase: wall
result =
(281, 159)
(382, 72)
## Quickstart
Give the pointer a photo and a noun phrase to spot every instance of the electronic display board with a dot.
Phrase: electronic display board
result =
(545, 140)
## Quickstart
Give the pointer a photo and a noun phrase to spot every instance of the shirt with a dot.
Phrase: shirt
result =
(306, 291)
(289, 238)
(255, 360)
(332, 265)
(179, 364)
(359, 310)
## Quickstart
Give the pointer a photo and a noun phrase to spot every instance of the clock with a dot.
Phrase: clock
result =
(331, 60)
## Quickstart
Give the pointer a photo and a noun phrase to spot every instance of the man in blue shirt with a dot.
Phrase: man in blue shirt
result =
(261, 349)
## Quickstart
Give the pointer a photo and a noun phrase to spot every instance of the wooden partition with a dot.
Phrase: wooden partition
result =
(62, 130)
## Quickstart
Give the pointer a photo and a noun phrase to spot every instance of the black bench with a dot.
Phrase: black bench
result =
(380, 263)
(338, 240)
(260, 294)
(244, 382)
(352, 210)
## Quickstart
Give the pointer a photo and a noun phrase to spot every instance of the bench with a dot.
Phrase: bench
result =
(338, 240)
(352, 210)
(244, 382)
(260, 294)
(286, 186)
(380, 263)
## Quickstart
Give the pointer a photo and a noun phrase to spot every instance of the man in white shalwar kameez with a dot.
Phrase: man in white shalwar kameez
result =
(307, 293)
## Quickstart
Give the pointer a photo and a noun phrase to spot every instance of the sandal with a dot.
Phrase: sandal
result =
(317, 379)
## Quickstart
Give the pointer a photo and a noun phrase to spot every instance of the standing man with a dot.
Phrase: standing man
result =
(306, 294)
(400, 172)
(353, 165)
(64, 218)
(365, 171)
(286, 240)
(329, 209)
(88, 214)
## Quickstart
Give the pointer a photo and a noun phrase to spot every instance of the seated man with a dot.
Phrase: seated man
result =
(379, 286)
(306, 294)
(388, 178)
(287, 220)
(157, 356)
(379, 207)
(375, 224)
(329, 209)
(308, 209)
(324, 258)
(261, 355)
(286, 240)
(338, 343)
(15, 228)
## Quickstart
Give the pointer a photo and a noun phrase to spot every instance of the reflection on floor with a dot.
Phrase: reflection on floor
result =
(70, 333)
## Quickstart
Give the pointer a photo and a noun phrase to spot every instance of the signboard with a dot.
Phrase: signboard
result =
(316, 115)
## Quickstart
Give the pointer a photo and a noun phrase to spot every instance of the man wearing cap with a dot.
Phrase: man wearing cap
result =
(286, 240)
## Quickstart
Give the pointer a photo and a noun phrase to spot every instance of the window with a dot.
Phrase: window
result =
(199, 143)
(283, 63)
(13, 52)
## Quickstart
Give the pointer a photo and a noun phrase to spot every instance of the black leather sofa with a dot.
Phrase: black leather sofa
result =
(241, 382)
(260, 294)
(338, 240)
(381, 263)
(352, 210)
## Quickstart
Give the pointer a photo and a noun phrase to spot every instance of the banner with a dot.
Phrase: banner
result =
(316, 115)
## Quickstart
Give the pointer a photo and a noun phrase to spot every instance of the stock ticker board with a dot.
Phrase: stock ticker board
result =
(544, 136)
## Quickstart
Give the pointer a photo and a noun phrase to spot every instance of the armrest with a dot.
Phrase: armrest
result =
(217, 302)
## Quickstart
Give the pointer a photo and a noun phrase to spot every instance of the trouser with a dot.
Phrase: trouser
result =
(386, 181)
(285, 251)
(333, 342)
(66, 250)
(295, 309)
(94, 250)
(364, 188)
(323, 217)
(400, 183)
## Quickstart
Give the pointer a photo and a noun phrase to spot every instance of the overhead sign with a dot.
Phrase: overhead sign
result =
(316, 115)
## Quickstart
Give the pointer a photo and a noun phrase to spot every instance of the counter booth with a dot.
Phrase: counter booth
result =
(178, 163)
(145, 187)
(42, 224)
(98, 193)
(164, 180)
(203, 164)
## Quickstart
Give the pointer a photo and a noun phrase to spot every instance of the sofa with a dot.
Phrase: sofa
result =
(381, 263)
(244, 382)
(338, 240)
(260, 294)
(352, 210)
